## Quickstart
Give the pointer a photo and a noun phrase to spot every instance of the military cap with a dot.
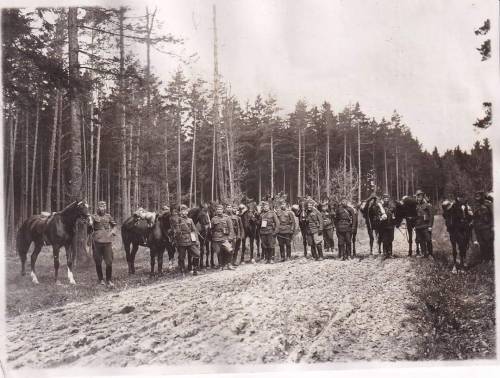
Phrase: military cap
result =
(219, 206)
(386, 195)
(183, 207)
(262, 203)
(418, 192)
(101, 203)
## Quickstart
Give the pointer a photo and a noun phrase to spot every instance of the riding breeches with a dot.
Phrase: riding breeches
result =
(103, 251)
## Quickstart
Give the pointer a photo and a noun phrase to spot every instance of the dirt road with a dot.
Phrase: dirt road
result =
(298, 311)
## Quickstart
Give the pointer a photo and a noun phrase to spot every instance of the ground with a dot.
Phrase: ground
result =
(297, 311)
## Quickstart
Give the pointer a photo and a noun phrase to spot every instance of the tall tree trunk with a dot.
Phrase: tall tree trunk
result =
(52, 150)
(350, 168)
(26, 168)
(59, 167)
(272, 164)
(412, 181)
(220, 173)
(166, 160)
(327, 158)
(359, 163)
(345, 162)
(385, 170)
(136, 166)
(84, 155)
(299, 174)
(397, 173)
(406, 173)
(179, 200)
(108, 191)
(193, 154)
(125, 210)
(75, 171)
(213, 162)
(129, 163)
(260, 185)
(97, 163)
(33, 166)
(11, 202)
(304, 163)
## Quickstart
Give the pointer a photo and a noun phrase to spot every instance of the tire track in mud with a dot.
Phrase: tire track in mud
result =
(298, 311)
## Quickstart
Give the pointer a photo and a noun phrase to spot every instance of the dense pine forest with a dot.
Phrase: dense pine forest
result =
(86, 116)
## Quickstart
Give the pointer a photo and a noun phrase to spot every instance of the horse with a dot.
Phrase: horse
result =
(458, 219)
(59, 229)
(250, 219)
(406, 209)
(300, 212)
(201, 219)
(137, 231)
(372, 211)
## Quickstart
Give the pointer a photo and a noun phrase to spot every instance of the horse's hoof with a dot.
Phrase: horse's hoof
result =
(34, 279)
(72, 282)
(454, 270)
(58, 283)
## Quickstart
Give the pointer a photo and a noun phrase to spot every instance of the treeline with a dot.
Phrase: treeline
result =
(104, 126)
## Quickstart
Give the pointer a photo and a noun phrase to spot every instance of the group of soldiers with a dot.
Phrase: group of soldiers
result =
(317, 225)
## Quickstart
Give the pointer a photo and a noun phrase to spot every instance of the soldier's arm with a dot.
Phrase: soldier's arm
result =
(293, 222)
(431, 216)
(193, 229)
(276, 223)
(240, 225)
(229, 223)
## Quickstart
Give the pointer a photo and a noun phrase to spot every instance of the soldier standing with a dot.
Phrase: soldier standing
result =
(102, 242)
(285, 231)
(186, 239)
(344, 218)
(483, 225)
(423, 224)
(328, 227)
(222, 234)
(387, 225)
(238, 231)
(268, 228)
(314, 231)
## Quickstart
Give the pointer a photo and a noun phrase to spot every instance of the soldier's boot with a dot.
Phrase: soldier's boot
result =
(341, 251)
(430, 248)
(313, 252)
(196, 261)
(282, 252)
(109, 273)
(348, 250)
(289, 251)
(353, 242)
(319, 247)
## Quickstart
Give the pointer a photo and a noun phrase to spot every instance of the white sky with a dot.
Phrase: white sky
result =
(416, 56)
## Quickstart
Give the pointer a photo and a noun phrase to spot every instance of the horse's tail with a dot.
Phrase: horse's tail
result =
(23, 240)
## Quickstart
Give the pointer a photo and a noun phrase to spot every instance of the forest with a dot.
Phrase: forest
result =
(85, 116)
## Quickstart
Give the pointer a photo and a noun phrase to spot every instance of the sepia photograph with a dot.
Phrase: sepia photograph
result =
(201, 186)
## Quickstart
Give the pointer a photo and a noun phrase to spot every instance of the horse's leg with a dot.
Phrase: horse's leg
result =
(304, 241)
(190, 262)
(353, 242)
(70, 256)
(207, 253)
(23, 253)
(202, 250)
(370, 236)
(135, 247)
(55, 253)
(379, 241)
(161, 251)
(34, 255)
(410, 239)
(243, 249)
(453, 249)
(152, 254)
(126, 246)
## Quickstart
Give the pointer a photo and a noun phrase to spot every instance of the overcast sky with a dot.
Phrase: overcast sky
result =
(418, 57)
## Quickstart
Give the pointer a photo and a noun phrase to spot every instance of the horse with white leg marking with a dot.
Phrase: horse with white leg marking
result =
(57, 230)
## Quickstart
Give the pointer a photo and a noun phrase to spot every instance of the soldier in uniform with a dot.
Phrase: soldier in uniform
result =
(423, 224)
(344, 219)
(102, 241)
(286, 230)
(387, 225)
(238, 231)
(483, 225)
(328, 227)
(186, 239)
(222, 234)
(314, 231)
(268, 228)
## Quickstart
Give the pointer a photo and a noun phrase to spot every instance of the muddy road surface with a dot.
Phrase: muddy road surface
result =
(298, 311)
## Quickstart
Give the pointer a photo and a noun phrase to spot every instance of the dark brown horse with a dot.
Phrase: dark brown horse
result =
(251, 225)
(136, 232)
(58, 230)
(201, 219)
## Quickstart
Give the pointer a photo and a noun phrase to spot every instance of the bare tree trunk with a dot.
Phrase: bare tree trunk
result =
(350, 168)
(75, 178)
(59, 168)
(193, 154)
(327, 158)
(299, 174)
(84, 154)
(385, 170)
(125, 210)
(108, 182)
(260, 185)
(129, 163)
(412, 181)
(26, 169)
(272, 164)
(166, 160)
(136, 166)
(40, 191)
(406, 173)
(33, 167)
(213, 163)
(97, 164)
(91, 157)
(179, 160)
(52, 150)
(397, 173)
(11, 202)
(359, 163)
(345, 162)
(304, 164)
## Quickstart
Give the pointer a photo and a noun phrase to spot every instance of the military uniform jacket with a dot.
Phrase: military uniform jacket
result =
(459, 216)
(103, 226)
(183, 229)
(389, 212)
(327, 220)
(222, 228)
(237, 226)
(314, 221)
(483, 216)
(344, 218)
(287, 221)
(425, 216)
(271, 222)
